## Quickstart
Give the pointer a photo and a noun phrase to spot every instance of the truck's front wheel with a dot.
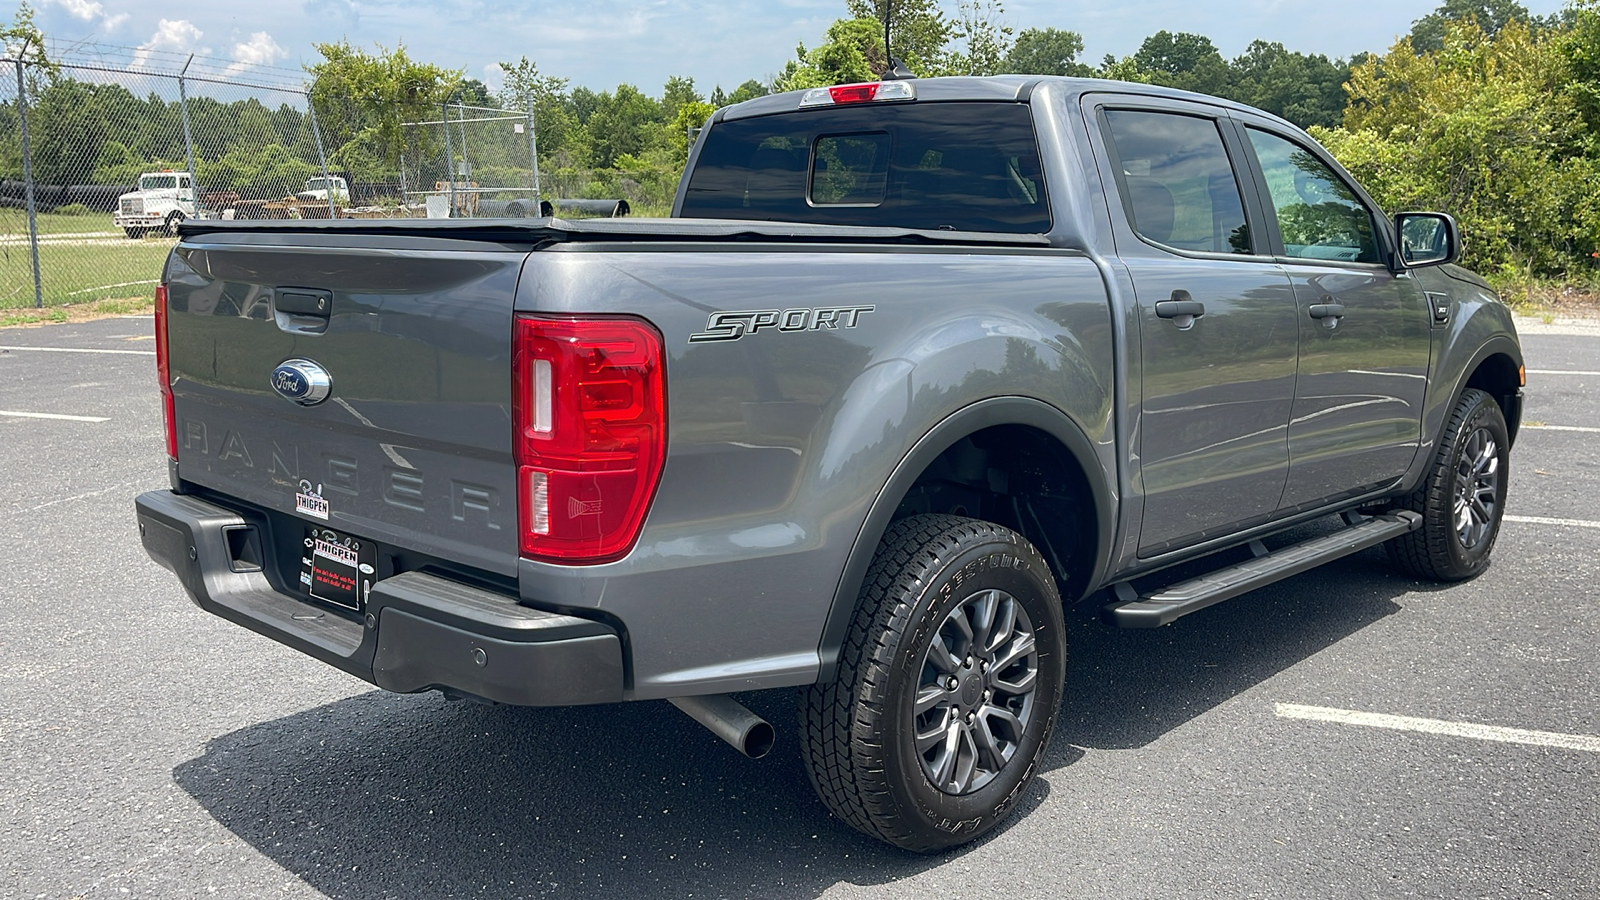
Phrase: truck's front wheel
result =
(948, 688)
(1463, 497)
(170, 226)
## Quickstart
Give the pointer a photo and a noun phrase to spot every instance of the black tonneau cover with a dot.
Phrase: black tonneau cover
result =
(557, 231)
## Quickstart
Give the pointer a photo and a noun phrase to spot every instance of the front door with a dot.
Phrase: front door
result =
(1217, 326)
(1364, 331)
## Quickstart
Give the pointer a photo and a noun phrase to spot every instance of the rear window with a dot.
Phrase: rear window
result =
(954, 166)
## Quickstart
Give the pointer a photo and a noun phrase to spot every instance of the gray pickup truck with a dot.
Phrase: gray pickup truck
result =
(913, 364)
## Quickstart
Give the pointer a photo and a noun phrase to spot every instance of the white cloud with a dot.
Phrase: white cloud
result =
(172, 36)
(90, 10)
(260, 50)
(87, 10)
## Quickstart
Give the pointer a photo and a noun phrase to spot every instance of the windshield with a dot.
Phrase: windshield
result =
(966, 166)
(319, 184)
(158, 182)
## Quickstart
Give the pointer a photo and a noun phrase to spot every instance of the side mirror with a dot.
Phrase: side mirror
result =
(1427, 239)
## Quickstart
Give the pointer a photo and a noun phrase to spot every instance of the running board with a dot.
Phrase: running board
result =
(1169, 604)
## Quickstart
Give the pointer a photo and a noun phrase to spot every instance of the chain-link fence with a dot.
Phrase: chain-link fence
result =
(103, 152)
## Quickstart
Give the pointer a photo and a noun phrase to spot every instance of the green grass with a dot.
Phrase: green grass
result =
(14, 223)
(83, 272)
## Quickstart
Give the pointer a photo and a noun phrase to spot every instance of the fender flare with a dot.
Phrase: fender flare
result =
(1499, 344)
(960, 424)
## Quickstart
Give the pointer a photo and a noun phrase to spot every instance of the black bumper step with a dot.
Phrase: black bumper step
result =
(1172, 603)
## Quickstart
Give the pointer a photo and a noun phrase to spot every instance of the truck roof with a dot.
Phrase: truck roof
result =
(1016, 88)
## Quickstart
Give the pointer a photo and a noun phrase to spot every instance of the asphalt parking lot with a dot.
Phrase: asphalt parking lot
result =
(149, 749)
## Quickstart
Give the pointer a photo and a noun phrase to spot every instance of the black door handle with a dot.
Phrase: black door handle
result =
(1181, 309)
(1171, 309)
(1327, 310)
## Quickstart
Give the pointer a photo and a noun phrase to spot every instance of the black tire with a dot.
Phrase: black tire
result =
(859, 733)
(134, 234)
(1462, 498)
(170, 226)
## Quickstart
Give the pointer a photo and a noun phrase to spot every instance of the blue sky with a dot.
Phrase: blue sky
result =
(600, 43)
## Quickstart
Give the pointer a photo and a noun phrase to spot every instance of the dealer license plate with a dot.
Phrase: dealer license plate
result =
(337, 568)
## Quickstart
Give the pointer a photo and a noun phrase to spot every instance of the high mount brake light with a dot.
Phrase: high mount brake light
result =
(164, 372)
(589, 417)
(865, 92)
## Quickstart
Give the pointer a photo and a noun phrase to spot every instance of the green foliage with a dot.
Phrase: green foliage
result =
(985, 39)
(366, 97)
(620, 124)
(846, 57)
(1305, 89)
(268, 173)
(918, 33)
(1428, 32)
(1187, 61)
(1481, 129)
(1047, 51)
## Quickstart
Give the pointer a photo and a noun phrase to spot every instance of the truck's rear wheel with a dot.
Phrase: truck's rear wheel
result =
(948, 688)
(1463, 497)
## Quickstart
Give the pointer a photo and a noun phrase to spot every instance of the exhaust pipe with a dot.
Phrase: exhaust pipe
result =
(728, 719)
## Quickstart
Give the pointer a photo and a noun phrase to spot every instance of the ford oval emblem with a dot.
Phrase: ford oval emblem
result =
(302, 381)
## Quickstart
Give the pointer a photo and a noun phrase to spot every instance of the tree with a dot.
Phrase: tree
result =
(1306, 90)
(918, 32)
(1047, 51)
(985, 39)
(557, 124)
(678, 92)
(845, 58)
(620, 124)
(365, 98)
(1427, 33)
(1479, 129)
(748, 91)
(1182, 60)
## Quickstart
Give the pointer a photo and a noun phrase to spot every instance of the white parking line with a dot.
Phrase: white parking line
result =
(83, 350)
(1440, 726)
(1583, 428)
(1559, 372)
(32, 415)
(1546, 520)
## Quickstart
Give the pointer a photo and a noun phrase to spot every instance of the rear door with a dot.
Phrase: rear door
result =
(1364, 330)
(1217, 319)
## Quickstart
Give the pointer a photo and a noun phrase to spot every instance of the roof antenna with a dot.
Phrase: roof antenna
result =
(897, 70)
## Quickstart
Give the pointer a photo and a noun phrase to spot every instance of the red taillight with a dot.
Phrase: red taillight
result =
(164, 371)
(853, 93)
(589, 404)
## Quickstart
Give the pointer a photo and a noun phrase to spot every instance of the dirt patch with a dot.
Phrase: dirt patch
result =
(76, 312)
(1565, 300)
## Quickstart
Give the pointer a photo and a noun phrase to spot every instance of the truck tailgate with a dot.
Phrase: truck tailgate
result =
(413, 446)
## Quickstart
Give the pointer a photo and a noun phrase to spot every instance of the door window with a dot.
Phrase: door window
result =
(1177, 182)
(1319, 215)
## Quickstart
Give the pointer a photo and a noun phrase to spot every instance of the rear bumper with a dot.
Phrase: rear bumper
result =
(421, 631)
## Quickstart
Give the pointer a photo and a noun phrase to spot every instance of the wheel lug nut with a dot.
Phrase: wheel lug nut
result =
(950, 683)
(969, 662)
(971, 718)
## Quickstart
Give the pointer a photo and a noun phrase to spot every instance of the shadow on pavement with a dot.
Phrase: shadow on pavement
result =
(411, 796)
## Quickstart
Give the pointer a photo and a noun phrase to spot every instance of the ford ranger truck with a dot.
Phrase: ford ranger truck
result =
(912, 365)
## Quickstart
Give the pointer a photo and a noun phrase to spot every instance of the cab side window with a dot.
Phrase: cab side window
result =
(1177, 182)
(1319, 215)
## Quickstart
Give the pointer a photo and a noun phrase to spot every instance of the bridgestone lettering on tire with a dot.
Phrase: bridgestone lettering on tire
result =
(1463, 497)
(948, 689)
